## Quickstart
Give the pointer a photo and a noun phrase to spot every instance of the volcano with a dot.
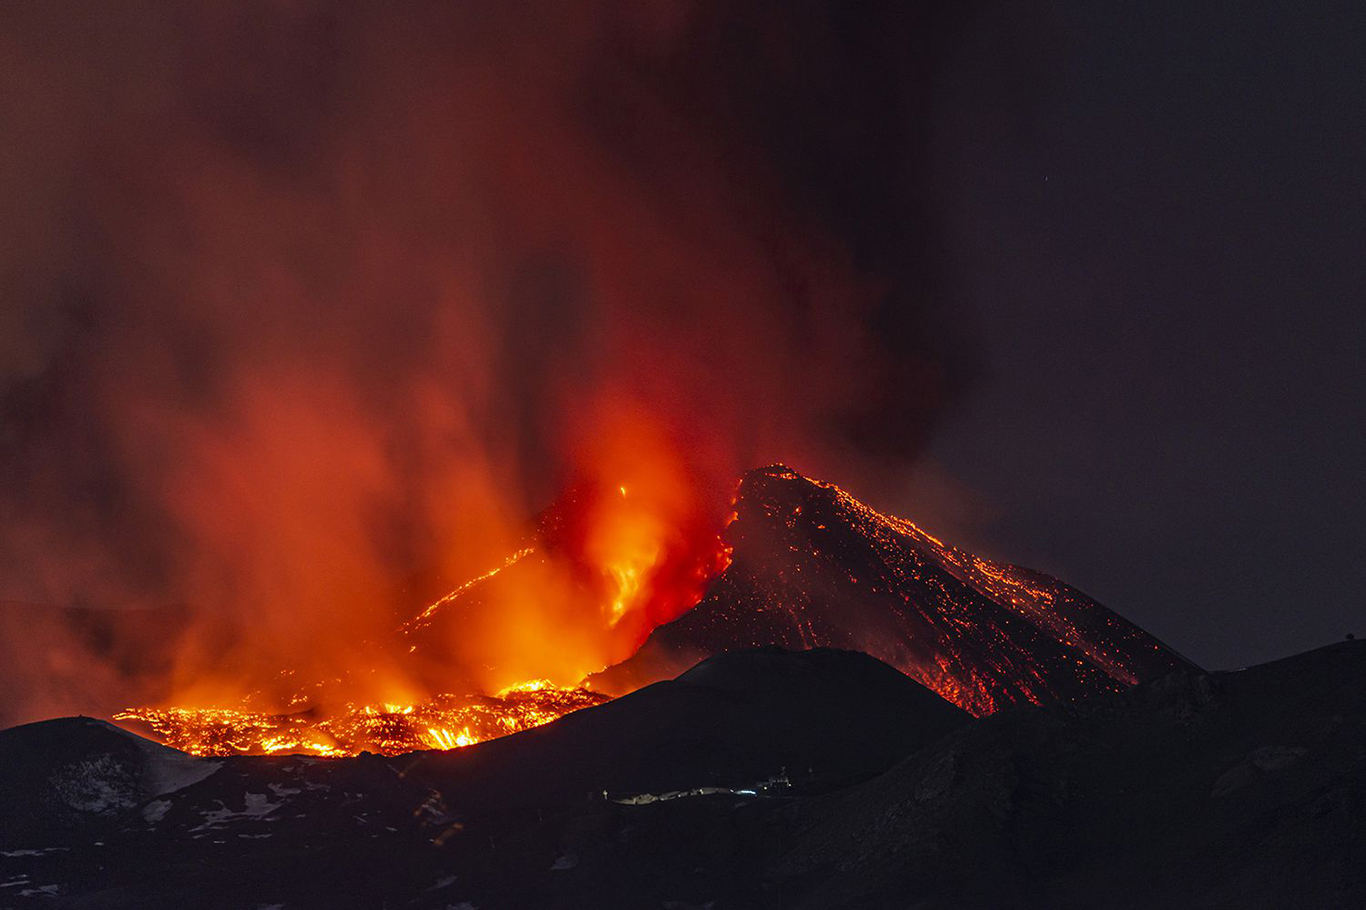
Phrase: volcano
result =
(801, 564)
(811, 566)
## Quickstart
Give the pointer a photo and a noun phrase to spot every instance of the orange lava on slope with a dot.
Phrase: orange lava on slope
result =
(967, 680)
(815, 567)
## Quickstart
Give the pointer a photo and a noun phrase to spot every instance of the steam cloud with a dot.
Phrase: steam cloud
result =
(306, 304)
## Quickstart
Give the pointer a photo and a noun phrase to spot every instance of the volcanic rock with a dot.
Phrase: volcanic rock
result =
(814, 567)
(299, 831)
(1195, 790)
(1242, 789)
(819, 718)
(65, 776)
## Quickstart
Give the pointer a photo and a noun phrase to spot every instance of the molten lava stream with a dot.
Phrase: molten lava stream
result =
(444, 722)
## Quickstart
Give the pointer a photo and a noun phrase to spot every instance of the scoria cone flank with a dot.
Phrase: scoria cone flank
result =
(814, 567)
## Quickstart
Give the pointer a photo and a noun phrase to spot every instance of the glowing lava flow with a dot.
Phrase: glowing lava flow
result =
(426, 615)
(444, 722)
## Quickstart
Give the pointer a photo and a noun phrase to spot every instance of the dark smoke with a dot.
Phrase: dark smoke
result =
(303, 300)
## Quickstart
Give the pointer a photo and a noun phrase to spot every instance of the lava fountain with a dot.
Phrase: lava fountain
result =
(611, 560)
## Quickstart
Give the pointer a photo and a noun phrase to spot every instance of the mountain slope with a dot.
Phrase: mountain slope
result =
(1243, 789)
(1201, 791)
(814, 567)
(369, 831)
(77, 773)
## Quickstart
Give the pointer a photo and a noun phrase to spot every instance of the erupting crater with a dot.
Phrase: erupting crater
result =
(802, 564)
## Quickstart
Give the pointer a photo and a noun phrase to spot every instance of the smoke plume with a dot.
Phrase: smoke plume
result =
(308, 305)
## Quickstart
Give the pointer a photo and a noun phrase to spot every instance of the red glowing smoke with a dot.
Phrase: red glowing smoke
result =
(310, 305)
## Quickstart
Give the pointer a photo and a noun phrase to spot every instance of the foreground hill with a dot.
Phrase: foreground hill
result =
(820, 718)
(308, 832)
(1196, 790)
(1243, 789)
(66, 777)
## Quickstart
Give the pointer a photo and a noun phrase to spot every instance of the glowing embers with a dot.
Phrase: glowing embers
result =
(444, 722)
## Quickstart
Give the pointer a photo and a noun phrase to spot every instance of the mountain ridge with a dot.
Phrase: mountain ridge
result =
(811, 566)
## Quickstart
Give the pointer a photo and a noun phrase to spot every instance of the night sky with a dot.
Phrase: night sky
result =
(1076, 285)
(1163, 258)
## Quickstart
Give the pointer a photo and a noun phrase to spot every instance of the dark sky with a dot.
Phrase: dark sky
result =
(1164, 259)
